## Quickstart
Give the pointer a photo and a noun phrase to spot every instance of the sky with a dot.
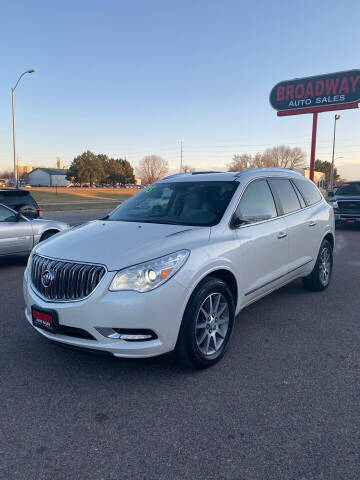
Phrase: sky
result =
(130, 78)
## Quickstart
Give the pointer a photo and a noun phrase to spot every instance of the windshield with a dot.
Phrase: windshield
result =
(349, 189)
(178, 203)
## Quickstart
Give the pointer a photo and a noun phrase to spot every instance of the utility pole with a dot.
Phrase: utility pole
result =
(181, 157)
(16, 181)
(333, 155)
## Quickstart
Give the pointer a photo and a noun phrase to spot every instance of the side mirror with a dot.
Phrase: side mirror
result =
(236, 221)
(20, 217)
(252, 215)
(330, 194)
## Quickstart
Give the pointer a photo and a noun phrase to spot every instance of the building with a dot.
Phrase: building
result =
(59, 163)
(319, 177)
(48, 177)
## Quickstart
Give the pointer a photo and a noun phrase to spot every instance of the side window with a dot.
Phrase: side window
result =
(286, 194)
(7, 215)
(308, 190)
(300, 197)
(257, 203)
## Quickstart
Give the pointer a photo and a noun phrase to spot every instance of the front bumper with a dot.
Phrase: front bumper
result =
(347, 217)
(160, 310)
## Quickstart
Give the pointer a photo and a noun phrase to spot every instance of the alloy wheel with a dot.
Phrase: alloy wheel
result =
(212, 323)
(325, 266)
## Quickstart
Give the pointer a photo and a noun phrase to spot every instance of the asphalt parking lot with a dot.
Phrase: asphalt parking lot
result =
(283, 404)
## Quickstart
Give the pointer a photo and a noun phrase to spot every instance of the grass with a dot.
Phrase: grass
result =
(79, 198)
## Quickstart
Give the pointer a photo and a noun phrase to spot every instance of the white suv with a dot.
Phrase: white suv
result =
(170, 268)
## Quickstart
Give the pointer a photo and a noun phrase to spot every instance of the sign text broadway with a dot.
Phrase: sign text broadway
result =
(333, 88)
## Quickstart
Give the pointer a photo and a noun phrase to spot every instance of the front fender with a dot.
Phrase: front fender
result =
(200, 266)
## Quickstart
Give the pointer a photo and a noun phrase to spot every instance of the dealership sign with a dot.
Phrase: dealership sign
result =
(332, 89)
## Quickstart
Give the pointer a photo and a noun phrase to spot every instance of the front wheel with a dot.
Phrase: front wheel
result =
(320, 277)
(207, 324)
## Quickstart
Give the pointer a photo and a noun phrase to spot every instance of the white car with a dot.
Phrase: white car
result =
(171, 268)
(19, 234)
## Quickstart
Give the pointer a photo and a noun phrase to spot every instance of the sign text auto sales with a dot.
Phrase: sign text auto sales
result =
(334, 88)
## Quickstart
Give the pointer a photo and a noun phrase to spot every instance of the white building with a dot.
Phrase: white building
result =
(48, 177)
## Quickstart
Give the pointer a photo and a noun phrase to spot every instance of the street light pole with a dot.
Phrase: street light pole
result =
(333, 155)
(13, 124)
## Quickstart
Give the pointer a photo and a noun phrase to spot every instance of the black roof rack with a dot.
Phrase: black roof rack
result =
(209, 171)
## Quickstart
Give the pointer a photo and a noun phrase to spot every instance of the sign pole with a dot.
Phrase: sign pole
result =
(313, 146)
(323, 93)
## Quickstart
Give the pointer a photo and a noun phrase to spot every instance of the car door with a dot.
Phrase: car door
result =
(301, 226)
(262, 253)
(16, 235)
(316, 217)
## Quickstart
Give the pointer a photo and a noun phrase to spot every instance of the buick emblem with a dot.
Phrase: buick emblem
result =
(47, 278)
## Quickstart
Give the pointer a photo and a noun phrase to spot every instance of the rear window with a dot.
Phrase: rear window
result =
(286, 194)
(308, 190)
(349, 189)
(17, 198)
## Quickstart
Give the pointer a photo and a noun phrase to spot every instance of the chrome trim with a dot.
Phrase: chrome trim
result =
(277, 278)
(73, 262)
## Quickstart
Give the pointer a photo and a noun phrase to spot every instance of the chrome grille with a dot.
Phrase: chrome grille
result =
(349, 206)
(67, 280)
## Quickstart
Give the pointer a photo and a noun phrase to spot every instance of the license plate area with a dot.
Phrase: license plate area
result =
(45, 319)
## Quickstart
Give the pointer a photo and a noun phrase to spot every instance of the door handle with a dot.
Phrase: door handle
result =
(312, 224)
(281, 235)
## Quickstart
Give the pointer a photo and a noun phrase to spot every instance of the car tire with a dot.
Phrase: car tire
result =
(320, 277)
(207, 324)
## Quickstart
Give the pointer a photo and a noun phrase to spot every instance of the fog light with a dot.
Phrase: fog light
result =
(128, 334)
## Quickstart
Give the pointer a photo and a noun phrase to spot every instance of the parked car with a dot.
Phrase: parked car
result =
(170, 268)
(18, 234)
(346, 203)
(22, 201)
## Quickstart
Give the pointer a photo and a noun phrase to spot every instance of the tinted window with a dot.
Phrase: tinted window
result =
(178, 203)
(286, 194)
(349, 189)
(308, 190)
(257, 203)
(6, 215)
(300, 197)
(17, 198)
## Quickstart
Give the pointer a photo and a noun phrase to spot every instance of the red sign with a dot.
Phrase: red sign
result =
(321, 92)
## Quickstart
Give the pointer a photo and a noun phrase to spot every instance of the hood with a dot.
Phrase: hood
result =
(119, 244)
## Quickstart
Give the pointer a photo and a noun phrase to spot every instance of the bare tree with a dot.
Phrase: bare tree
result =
(284, 156)
(152, 168)
(187, 168)
(280, 156)
(240, 163)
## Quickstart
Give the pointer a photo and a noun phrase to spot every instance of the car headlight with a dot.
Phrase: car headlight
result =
(335, 204)
(149, 275)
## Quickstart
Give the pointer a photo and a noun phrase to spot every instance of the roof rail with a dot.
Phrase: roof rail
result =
(176, 175)
(208, 171)
(268, 169)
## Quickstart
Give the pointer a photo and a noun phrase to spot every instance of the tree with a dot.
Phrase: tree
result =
(119, 171)
(284, 157)
(187, 168)
(127, 171)
(152, 168)
(87, 168)
(280, 156)
(7, 174)
(240, 163)
(325, 167)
